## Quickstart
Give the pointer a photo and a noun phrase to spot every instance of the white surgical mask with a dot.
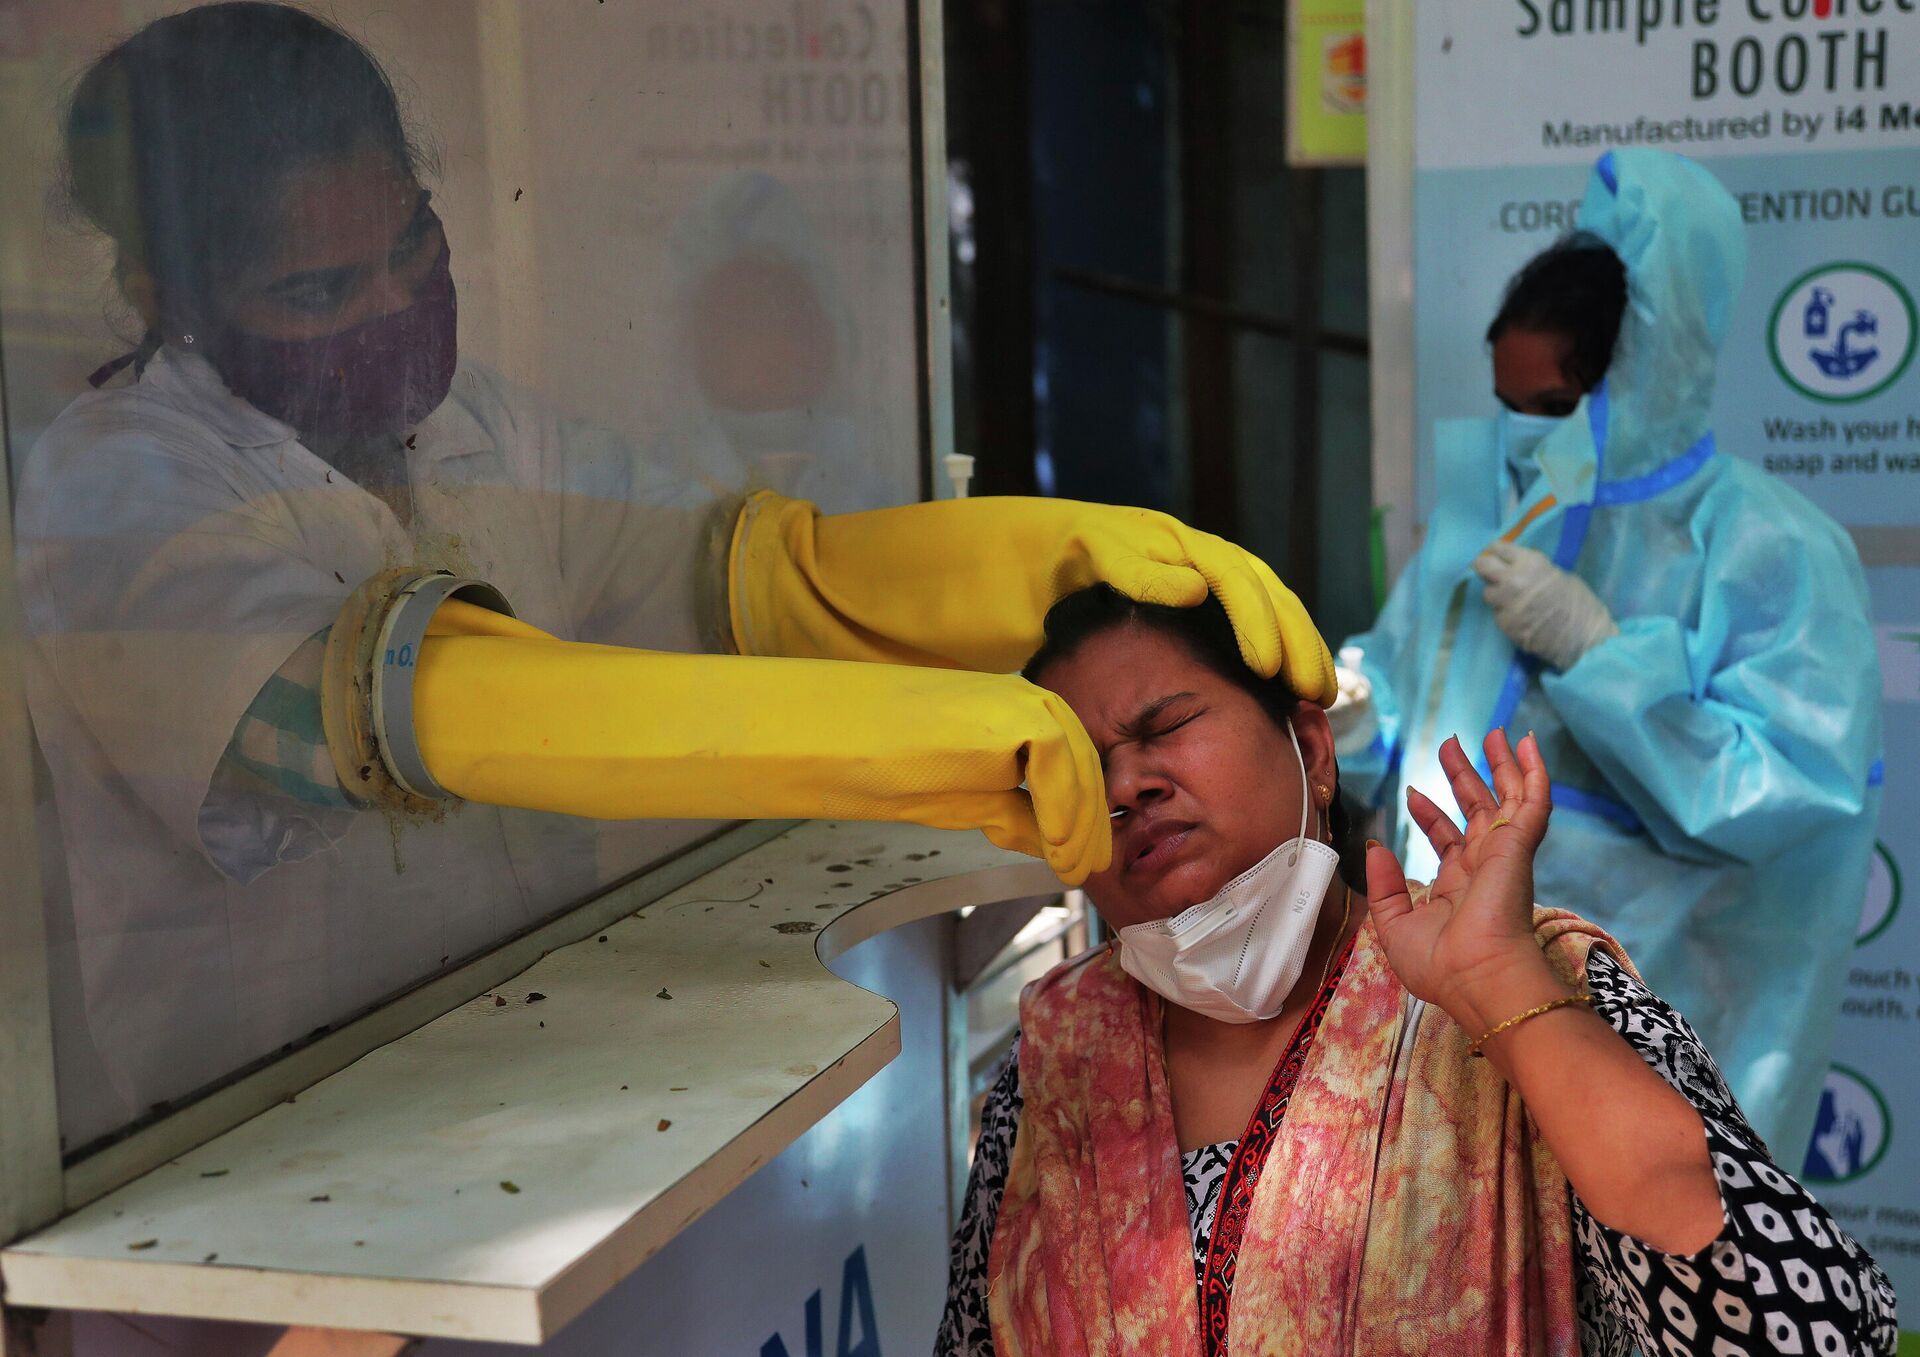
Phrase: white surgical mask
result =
(1238, 956)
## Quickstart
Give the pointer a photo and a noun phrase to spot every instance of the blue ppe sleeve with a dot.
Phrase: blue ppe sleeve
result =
(1751, 727)
(1365, 773)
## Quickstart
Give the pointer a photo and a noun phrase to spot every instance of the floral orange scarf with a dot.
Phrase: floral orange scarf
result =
(1406, 1205)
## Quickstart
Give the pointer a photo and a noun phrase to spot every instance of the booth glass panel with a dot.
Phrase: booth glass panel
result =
(530, 292)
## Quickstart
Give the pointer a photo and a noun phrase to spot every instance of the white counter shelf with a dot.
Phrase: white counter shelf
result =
(495, 1171)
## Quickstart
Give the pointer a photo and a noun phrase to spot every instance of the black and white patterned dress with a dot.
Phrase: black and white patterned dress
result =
(1783, 1277)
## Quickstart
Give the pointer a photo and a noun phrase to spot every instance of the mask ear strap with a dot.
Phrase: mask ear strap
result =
(1306, 793)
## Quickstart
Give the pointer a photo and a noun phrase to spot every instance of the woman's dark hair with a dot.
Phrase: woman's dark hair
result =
(1209, 638)
(177, 140)
(1576, 287)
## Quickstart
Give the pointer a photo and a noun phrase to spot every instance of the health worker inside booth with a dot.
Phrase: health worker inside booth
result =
(1687, 637)
(299, 420)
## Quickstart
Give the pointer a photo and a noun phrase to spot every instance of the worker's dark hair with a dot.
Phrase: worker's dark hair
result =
(1576, 287)
(178, 140)
(1209, 637)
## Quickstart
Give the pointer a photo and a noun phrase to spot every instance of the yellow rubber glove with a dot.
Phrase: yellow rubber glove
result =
(967, 582)
(510, 716)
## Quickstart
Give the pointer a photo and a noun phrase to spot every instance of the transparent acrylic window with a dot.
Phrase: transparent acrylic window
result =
(534, 298)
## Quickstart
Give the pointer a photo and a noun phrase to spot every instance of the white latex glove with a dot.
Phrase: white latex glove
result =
(1352, 715)
(1543, 609)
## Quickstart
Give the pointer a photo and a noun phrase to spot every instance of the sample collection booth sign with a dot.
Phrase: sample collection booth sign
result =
(1806, 111)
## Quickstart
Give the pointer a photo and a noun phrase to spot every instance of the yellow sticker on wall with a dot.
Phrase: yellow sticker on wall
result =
(1327, 82)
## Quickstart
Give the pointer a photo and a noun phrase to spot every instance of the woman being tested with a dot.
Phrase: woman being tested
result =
(1292, 1111)
(299, 417)
(1687, 637)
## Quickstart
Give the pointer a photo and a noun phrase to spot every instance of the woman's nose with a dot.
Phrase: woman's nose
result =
(1133, 784)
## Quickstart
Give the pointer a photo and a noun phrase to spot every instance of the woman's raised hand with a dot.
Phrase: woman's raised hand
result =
(1633, 1148)
(1468, 944)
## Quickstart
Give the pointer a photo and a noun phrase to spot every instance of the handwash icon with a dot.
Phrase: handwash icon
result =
(1842, 360)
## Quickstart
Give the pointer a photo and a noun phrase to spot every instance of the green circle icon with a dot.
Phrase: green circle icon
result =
(1842, 332)
(1852, 1131)
(1883, 896)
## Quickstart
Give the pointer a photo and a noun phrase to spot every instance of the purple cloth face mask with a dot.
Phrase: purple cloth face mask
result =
(382, 376)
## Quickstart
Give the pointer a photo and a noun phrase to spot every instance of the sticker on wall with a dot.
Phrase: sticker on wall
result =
(1851, 1131)
(1883, 896)
(1842, 332)
(1343, 72)
(1327, 82)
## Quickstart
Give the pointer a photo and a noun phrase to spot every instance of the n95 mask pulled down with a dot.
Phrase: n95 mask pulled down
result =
(1237, 956)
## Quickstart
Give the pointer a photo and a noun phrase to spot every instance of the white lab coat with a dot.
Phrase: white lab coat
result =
(175, 546)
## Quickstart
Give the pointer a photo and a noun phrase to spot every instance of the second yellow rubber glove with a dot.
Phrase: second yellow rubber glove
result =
(967, 582)
(507, 715)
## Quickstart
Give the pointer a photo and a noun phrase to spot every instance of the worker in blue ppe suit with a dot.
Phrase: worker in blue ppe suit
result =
(1688, 638)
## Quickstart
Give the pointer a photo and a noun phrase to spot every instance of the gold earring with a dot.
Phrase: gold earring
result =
(1326, 795)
